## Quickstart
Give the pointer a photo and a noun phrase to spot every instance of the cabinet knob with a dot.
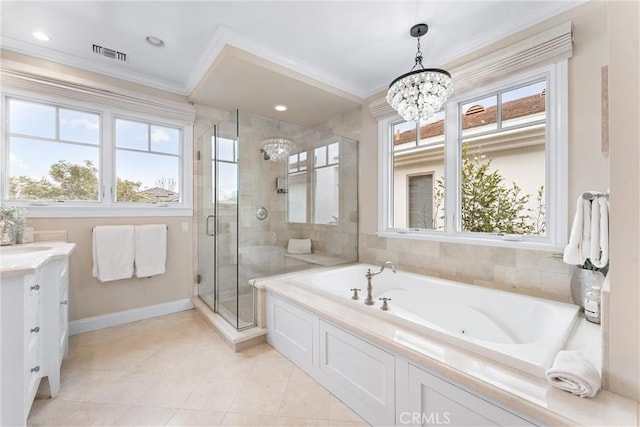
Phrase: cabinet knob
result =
(36, 369)
(65, 302)
(36, 329)
(35, 288)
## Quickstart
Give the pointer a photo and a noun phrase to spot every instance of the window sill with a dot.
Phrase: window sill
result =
(102, 211)
(487, 241)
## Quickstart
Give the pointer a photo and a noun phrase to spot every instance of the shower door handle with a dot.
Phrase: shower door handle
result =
(209, 218)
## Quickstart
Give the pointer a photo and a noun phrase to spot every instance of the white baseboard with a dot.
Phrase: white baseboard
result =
(128, 316)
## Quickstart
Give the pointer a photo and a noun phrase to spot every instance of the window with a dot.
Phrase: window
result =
(54, 152)
(68, 158)
(421, 201)
(297, 188)
(147, 162)
(227, 169)
(490, 167)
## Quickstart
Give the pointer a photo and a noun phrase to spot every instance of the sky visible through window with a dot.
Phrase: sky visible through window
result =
(36, 149)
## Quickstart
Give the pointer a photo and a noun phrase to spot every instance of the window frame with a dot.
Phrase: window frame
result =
(106, 205)
(556, 157)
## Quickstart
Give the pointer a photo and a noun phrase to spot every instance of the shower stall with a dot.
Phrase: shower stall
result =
(257, 215)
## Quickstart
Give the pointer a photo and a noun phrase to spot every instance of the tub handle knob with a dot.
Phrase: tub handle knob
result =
(355, 293)
(385, 305)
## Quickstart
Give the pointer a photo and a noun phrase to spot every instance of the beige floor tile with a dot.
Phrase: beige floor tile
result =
(126, 390)
(232, 419)
(169, 391)
(339, 411)
(295, 421)
(95, 414)
(342, 423)
(213, 394)
(145, 416)
(257, 397)
(305, 401)
(271, 369)
(159, 362)
(51, 411)
(299, 376)
(85, 384)
(237, 369)
(191, 417)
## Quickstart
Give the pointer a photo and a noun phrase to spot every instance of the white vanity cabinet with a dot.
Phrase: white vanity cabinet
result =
(22, 345)
(33, 328)
(55, 314)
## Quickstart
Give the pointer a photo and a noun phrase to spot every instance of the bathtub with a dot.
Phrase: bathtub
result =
(516, 330)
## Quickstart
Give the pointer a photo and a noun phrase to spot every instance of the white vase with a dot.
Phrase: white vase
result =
(582, 281)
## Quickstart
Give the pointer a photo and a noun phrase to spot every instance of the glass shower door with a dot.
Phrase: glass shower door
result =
(218, 222)
(225, 184)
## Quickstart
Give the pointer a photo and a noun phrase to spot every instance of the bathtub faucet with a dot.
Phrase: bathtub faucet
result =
(369, 276)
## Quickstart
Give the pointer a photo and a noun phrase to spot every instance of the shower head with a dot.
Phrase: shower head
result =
(265, 155)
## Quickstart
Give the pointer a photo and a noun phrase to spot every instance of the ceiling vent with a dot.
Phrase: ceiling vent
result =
(110, 53)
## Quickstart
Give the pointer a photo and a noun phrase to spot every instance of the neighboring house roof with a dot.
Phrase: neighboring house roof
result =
(161, 193)
(477, 115)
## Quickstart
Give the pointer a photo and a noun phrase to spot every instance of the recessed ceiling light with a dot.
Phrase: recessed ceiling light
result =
(280, 107)
(154, 41)
(41, 36)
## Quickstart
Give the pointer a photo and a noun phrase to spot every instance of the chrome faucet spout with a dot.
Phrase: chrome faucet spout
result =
(369, 275)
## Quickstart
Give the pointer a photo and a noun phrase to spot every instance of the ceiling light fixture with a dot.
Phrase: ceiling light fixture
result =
(280, 107)
(41, 36)
(154, 41)
(277, 148)
(421, 92)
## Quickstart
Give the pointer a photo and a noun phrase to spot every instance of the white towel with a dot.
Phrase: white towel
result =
(299, 246)
(113, 251)
(151, 249)
(599, 254)
(578, 249)
(572, 372)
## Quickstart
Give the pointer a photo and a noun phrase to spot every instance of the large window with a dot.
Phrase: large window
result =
(297, 188)
(54, 152)
(490, 166)
(65, 154)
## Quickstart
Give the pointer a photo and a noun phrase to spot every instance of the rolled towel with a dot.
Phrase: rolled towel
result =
(572, 372)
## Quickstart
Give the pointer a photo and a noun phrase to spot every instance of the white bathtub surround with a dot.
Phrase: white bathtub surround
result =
(113, 252)
(520, 331)
(524, 393)
(150, 249)
(572, 372)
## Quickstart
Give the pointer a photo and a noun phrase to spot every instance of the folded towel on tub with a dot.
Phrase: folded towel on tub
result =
(113, 252)
(572, 372)
(151, 249)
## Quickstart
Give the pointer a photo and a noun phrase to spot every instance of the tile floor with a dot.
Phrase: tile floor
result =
(176, 371)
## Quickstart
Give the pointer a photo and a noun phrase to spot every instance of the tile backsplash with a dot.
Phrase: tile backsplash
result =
(524, 271)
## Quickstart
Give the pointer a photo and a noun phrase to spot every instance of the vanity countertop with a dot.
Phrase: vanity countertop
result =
(18, 260)
(523, 392)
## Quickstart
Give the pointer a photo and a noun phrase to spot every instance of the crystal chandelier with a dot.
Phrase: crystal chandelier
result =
(277, 148)
(421, 92)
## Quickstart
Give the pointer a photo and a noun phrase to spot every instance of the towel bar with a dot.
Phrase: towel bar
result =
(591, 196)
(93, 228)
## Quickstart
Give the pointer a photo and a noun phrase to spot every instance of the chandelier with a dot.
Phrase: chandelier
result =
(277, 148)
(421, 92)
